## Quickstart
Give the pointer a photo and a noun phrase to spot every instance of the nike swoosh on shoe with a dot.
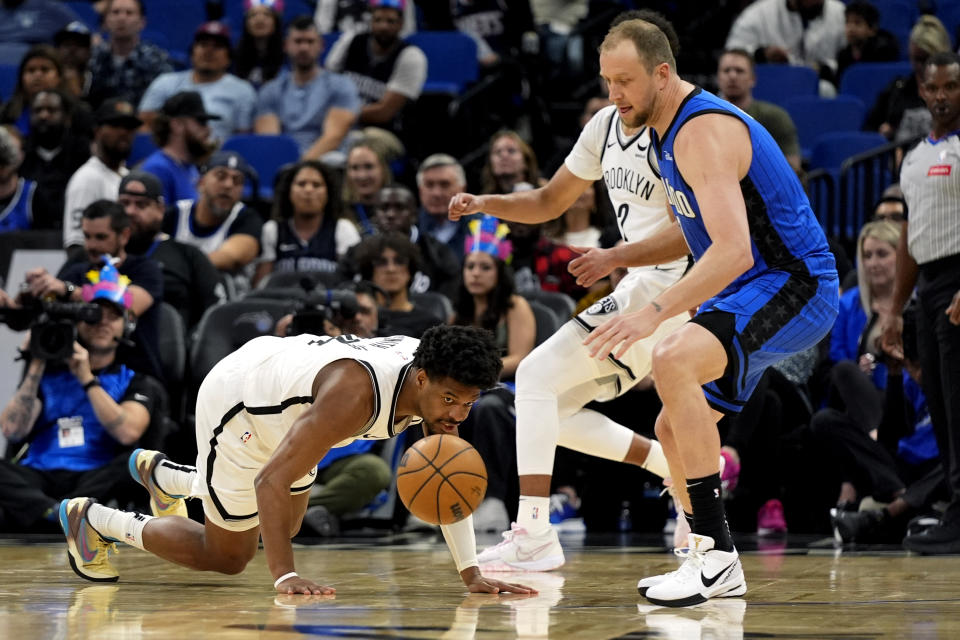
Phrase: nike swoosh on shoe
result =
(709, 582)
(530, 556)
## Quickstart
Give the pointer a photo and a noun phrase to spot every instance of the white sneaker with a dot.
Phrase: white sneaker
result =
(706, 573)
(681, 532)
(522, 551)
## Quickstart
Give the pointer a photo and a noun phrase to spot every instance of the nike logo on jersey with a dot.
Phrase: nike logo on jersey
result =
(287, 246)
(139, 397)
(709, 582)
(610, 144)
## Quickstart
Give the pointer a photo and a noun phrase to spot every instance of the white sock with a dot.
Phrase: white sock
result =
(124, 526)
(656, 462)
(176, 480)
(533, 514)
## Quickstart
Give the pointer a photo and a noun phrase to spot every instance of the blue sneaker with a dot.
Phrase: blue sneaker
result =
(561, 509)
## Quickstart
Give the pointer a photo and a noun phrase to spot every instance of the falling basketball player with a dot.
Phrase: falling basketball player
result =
(266, 414)
(558, 378)
(764, 283)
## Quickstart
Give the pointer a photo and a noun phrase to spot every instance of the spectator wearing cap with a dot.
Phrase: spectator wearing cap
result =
(388, 72)
(349, 16)
(53, 151)
(20, 206)
(182, 131)
(217, 222)
(259, 54)
(190, 282)
(223, 93)
(315, 107)
(123, 66)
(81, 416)
(73, 45)
(99, 177)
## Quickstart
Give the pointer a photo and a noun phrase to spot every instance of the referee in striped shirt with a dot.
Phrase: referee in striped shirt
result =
(929, 258)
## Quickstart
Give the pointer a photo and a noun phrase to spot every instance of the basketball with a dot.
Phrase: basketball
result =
(441, 479)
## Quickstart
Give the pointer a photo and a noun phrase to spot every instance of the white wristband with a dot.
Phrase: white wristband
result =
(292, 574)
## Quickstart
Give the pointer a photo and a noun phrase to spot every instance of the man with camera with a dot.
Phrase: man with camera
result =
(77, 408)
(106, 232)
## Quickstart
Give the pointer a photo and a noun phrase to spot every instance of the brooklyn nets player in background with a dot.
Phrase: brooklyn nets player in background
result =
(266, 414)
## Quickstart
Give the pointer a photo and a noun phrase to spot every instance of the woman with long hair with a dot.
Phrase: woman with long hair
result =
(259, 55)
(487, 296)
(366, 173)
(307, 232)
(510, 161)
(40, 68)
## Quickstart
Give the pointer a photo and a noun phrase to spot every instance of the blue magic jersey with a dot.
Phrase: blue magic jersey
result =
(784, 233)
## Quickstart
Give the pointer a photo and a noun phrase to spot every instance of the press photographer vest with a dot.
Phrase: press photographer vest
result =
(66, 406)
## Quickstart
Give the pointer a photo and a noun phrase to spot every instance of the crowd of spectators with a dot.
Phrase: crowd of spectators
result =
(362, 209)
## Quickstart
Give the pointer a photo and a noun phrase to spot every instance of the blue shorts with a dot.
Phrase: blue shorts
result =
(770, 317)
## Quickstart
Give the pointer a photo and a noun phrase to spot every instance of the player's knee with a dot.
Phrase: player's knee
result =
(666, 358)
(532, 374)
(233, 563)
(664, 431)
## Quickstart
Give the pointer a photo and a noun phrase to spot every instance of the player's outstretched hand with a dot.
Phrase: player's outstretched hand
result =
(298, 585)
(463, 204)
(481, 584)
(592, 265)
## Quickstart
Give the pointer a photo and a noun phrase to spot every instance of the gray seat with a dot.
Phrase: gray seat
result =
(173, 345)
(547, 322)
(303, 279)
(228, 326)
(561, 304)
(436, 303)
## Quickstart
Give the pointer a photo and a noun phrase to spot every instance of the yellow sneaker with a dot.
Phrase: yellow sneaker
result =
(87, 550)
(142, 463)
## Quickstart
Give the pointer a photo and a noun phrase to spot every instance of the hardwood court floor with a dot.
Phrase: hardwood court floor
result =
(402, 588)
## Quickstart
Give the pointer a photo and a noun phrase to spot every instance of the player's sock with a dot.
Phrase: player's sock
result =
(656, 462)
(706, 498)
(125, 526)
(533, 514)
(176, 480)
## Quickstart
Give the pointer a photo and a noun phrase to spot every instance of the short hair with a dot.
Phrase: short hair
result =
(372, 247)
(119, 220)
(302, 23)
(743, 53)
(650, 42)
(655, 18)
(866, 11)
(441, 160)
(468, 355)
(364, 287)
(10, 149)
(942, 59)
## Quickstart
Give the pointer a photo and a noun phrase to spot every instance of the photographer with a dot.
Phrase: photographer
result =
(352, 310)
(106, 232)
(78, 415)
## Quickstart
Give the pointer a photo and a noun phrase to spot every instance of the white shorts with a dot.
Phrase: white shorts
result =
(229, 455)
(635, 291)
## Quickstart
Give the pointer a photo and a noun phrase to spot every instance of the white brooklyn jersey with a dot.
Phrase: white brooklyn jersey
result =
(604, 151)
(273, 378)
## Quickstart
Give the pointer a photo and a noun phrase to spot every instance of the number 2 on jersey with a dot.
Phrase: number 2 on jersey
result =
(622, 211)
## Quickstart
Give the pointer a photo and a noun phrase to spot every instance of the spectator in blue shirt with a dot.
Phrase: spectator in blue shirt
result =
(182, 131)
(224, 94)
(123, 65)
(315, 107)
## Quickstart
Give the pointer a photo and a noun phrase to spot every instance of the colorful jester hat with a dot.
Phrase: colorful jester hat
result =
(489, 235)
(108, 284)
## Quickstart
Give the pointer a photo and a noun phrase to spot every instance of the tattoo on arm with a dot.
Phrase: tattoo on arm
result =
(656, 307)
(24, 408)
